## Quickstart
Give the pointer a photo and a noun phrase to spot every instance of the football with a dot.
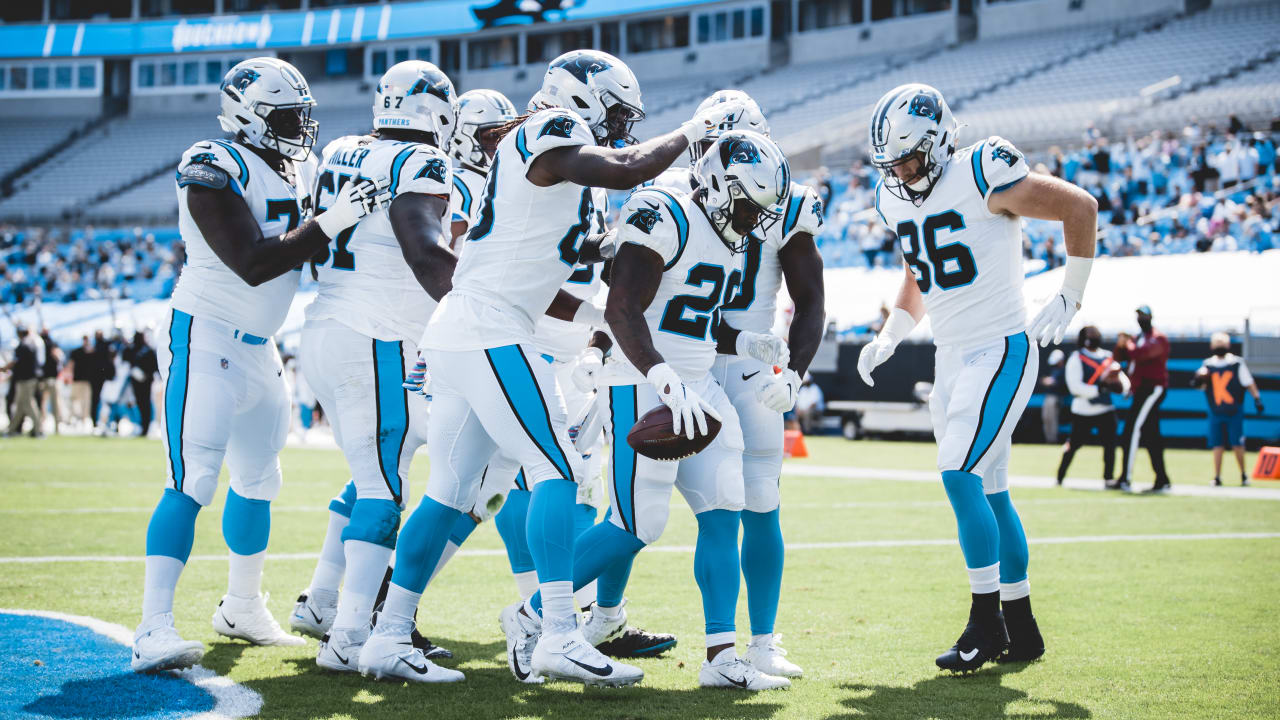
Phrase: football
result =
(651, 436)
(1111, 380)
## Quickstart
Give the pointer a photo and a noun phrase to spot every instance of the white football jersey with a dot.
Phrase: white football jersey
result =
(561, 339)
(365, 282)
(967, 260)
(679, 179)
(697, 268)
(523, 246)
(464, 200)
(207, 287)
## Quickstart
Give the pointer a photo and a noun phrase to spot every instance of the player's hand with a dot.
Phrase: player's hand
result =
(778, 391)
(357, 199)
(710, 120)
(418, 380)
(873, 354)
(1257, 405)
(688, 410)
(765, 347)
(586, 371)
(1052, 320)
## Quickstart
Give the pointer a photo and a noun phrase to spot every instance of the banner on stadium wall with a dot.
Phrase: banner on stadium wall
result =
(329, 26)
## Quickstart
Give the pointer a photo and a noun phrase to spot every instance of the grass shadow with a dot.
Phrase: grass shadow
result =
(223, 656)
(981, 695)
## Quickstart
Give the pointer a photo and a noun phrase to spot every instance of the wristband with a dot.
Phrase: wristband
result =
(1076, 276)
(898, 326)
(693, 130)
(330, 224)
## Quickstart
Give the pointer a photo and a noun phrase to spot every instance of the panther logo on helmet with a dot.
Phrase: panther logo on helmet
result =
(582, 66)
(925, 105)
(241, 80)
(739, 151)
(645, 219)
(437, 86)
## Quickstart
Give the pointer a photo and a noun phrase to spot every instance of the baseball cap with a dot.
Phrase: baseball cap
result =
(1145, 310)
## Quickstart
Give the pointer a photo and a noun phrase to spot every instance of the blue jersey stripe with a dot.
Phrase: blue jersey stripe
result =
(392, 403)
(465, 193)
(521, 146)
(622, 463)
(235, 155)
(879, 184)
(397, 165)
(175, 392)
(520, 386)
(793, 214)
(979, 176)
(682, 224)
(999, 398)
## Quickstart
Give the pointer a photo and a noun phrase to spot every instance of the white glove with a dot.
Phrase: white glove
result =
(687, 408)
(765, 347)
(898, 326)
(778, 391)
(418, 380)
(709, 120)
(1052, 320)
(586, 370)
(358, 198)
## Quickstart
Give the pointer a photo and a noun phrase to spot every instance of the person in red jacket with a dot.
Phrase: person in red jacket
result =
(1148, 358)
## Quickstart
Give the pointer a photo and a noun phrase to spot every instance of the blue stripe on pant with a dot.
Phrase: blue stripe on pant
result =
(999, 398)
(622, 458)
(516, 379)
(393, 412)
(175, 392)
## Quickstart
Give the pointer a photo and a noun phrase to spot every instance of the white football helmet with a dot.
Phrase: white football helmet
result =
(478, 110)
(743, 183)
(751, 118)
(597, 86)
(416, 95)
(268, 102)
(912, 121)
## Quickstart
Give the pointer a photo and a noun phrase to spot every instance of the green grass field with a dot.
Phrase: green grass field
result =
(1136, 628)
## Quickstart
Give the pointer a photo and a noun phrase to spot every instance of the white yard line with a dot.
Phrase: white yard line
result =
(844, 545)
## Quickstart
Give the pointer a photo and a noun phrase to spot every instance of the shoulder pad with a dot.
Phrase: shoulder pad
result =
(549, 129)
(656, 219)
(421, 169)
(219, 154)
(204, 175)
(803, 212)
(997, 165)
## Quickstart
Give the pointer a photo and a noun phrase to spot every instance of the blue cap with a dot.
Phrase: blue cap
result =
(1145, 310)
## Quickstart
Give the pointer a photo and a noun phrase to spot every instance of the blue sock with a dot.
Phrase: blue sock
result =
(462, 529)
(421, 543)
(979, 534)
(246, 524)
(172, 529)
(1013, 539)
(715, 566)
(600, 548)
(550, 529)
(511, 522)
(762, 560)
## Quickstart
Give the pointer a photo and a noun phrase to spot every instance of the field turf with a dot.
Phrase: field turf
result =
(1136, 626)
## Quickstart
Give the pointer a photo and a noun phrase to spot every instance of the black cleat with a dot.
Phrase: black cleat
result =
(1121, 485)
(634, 642)
(420, 641)
(1217, 482)
(1025, 642)
(982, 641)
(1159, 488)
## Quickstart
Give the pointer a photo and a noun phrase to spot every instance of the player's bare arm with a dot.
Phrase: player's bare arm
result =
(802, 267)
(637, 272)
(415, 219)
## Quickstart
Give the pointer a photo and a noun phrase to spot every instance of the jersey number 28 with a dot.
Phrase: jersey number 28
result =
(947, 266)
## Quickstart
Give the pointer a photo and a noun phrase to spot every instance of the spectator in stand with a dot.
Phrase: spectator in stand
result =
(1053, 385)
(50, 392)
(143, 369)
(81, 362)
(1091, 376)
(1225, 377)
(1266, 149)
(102, 367)
(1148, 358)
(25, 368)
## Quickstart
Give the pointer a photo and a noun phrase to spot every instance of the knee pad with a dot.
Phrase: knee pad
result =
(651, 522)
(343, 502)
(246, 524)
(374, 521)
(761, 491)
(264, 487)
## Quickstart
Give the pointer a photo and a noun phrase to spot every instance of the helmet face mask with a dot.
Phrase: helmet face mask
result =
(912, 124)
(743, 181)
(267, 103)
(619, 119)
(290, 130)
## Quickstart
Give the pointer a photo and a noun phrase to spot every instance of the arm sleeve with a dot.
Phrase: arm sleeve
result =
(1246, 377)
(997, 165)
(803, 213)
(653, 219)
(550, 129)
(1075, 379)
(421, 169)
(214, 164)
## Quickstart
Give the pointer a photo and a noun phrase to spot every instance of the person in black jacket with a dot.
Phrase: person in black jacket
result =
(143, 369)
(102, 367)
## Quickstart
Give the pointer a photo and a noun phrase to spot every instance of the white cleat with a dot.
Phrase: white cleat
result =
(392, 655)
(249, 619)
(157, 646)
(522, 634)
(768, 656)
(567, 656)
(730, 671)
(314, 613)
(340, 649)
(599, 629)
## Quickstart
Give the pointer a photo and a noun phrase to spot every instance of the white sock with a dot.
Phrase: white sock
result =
(557, 605)
(527, 583)
(367, 565)
(722, 638)
(333, 560)
(398, 609)
(244, 574)
(161, 580)
(609, 613)
(450, 548)
(984, 580)
(761, 639)
(586, 595)
(1015, 591)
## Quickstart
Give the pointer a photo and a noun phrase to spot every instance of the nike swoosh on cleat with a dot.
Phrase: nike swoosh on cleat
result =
(740, 683)
(340, 658)
(968, 656)
(228, 622)
(137, 654)
(745, 376)
(521, 675)
(314, 615)
(420, 670)
(601, 671)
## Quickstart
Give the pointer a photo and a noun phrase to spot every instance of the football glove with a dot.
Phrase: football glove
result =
(586, 370)
(765, 347)
(709, 120)
(688, 410)
(357, 199)
(778, 391)
(874, 353)
(1052, 320)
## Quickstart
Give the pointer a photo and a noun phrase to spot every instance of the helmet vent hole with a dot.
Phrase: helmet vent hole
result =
(715, 183)
(242, 120)
(580, 102)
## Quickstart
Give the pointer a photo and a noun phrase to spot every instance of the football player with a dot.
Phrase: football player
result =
(676, 256)
(957, 215)
(760, 395)
(378, 287)
(244, 212)
(488, 386)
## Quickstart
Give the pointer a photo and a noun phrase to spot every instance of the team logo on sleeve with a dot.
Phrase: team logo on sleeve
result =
(817, 211)
(205, 158)
(645, 218)
(1005, 153)
(433, 170)
(559, 126)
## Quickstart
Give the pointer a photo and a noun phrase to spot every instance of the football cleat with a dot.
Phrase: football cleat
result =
(314, 613)
(567, 656)
(391, 654)
(420, 641)
(157, 646)
(249, 619)
(634, 642)
(983, 640)
(340, 649)
(599, 628)
(768, 656)
(522, 633)
(1025, 642)
(1159, 488)
(730, 671)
